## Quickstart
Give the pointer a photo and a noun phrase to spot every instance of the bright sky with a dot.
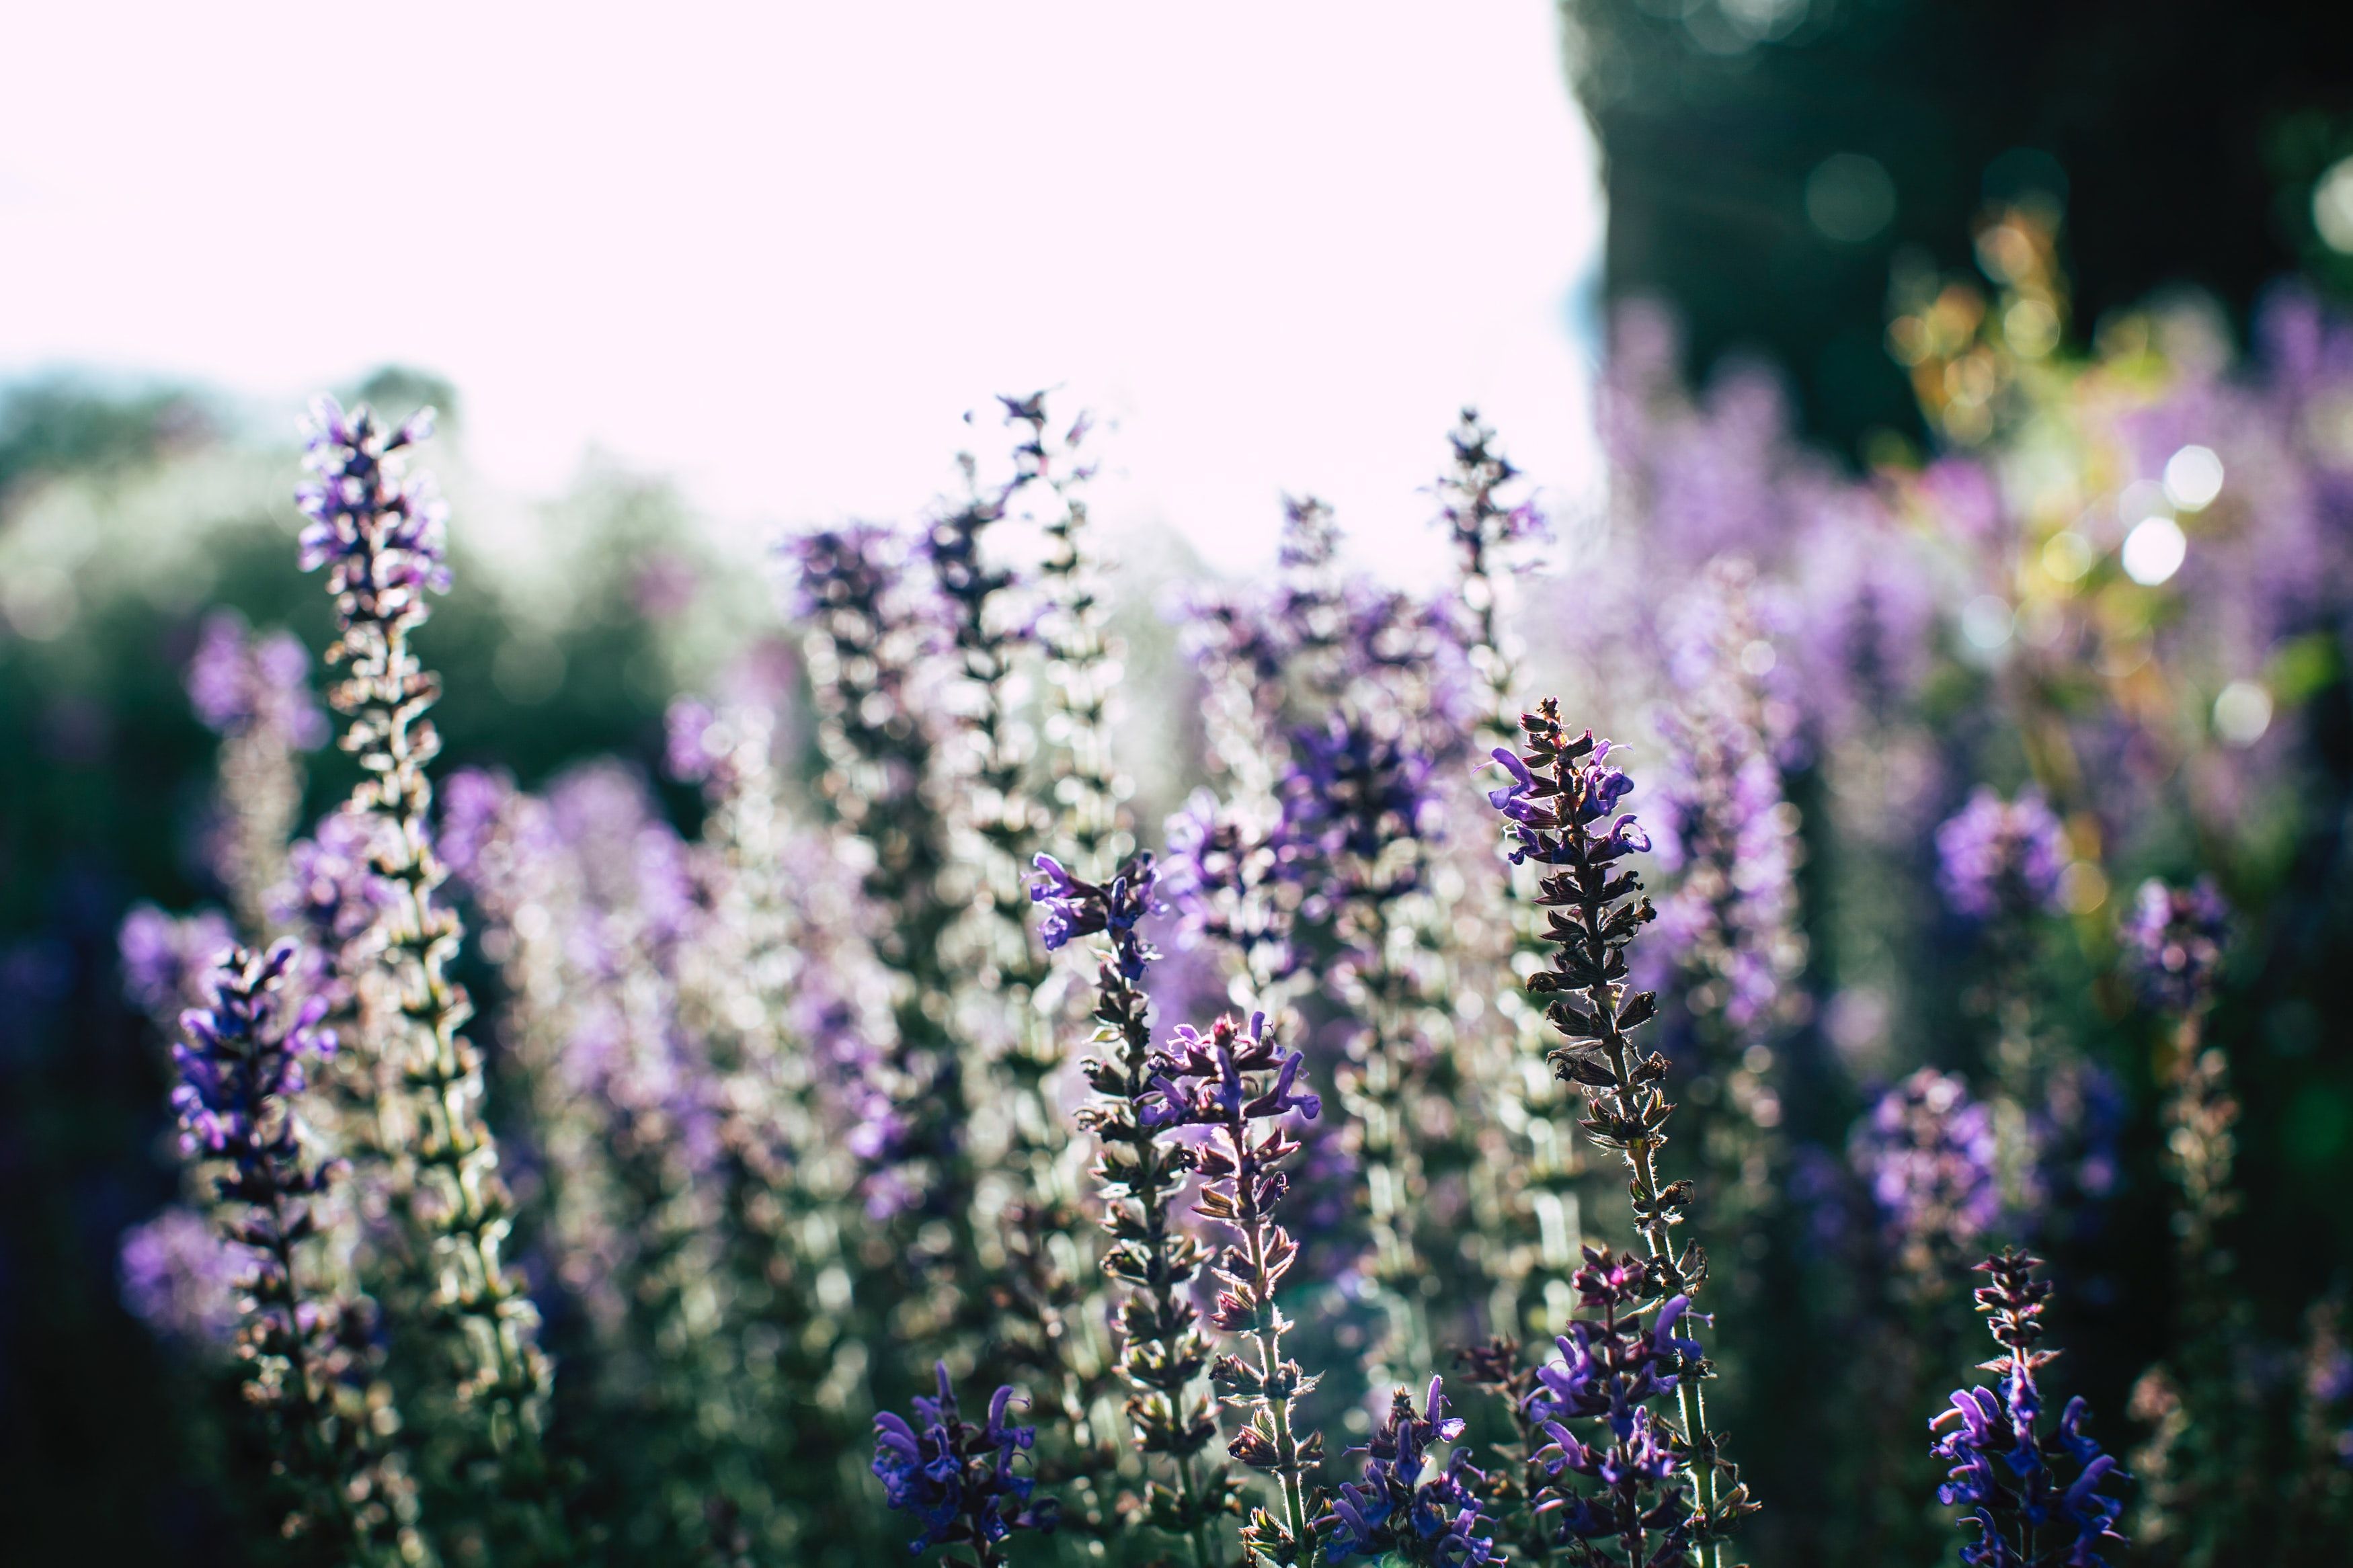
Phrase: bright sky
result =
(776, 250)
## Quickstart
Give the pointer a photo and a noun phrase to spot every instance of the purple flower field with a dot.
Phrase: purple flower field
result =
(857, 1126)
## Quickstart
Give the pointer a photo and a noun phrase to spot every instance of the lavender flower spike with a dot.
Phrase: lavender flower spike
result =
(1561, 811)
(255, 693)
(381, 535)
(304, 1355)
(957, 1478)
(1229, 1081)
(1928, 1151)
(2173, 942)
(1139, 1171)
(2007, 1473)
(2001, 858)
(1390, 1513)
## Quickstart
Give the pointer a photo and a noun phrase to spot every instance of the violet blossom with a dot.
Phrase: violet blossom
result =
(961, 1482)
(1926, 1151)
(1392, 1512)
(2001, 858)
(2031, 1494)
(2173, 940)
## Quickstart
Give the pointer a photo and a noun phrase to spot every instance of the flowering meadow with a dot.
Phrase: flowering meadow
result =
(1789, 1016)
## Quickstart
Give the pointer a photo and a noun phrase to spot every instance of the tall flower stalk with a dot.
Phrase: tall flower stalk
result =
(304, 1346)
(2196, 1468)
(1487, 535)
(254, 693)
(2031, 1495)
(1140, 1169)
(1561, 806)
(1525, 1184)
(381, 534)
(1360, 803)
(1239, 1083)
(869, 645)
(961, 1481)
(1083, 668)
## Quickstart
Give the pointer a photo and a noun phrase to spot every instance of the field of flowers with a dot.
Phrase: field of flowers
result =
(1442, 1135)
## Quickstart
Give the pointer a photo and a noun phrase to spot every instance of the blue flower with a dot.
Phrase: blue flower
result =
(2011, 1505)
(957, 1479)
(1391, 1511)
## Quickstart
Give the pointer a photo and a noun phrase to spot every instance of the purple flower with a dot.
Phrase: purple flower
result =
(1241, 1084)
(1074, 907)
(179, 1276)
(1358, 788)
(692, 748)
(241, 1065)
(168, 960)
(238, 684)
(2001, 858)
(1208, 1080)
(2173, 942)
(333, 892)
(381, 534)
(1234, 878)
(2009, 1475)
(1613, 1369)
(1390, 1509)
(473, 801)
(1926, 1151)
(959, 1480)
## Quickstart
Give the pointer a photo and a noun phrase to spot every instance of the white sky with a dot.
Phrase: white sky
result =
(777, 250)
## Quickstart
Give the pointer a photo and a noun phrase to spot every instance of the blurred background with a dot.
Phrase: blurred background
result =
(678, 286)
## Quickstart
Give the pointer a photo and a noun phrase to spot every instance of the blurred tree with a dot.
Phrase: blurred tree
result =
(67, 424)
(1770, 163)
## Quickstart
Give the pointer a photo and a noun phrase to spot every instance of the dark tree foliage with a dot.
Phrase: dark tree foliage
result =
(2182, 136)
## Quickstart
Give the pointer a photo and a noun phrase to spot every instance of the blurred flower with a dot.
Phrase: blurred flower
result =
(2173, 940)
(1613, 1368)
(238, 682)
(180, 1277)
(168, 960)
(382, 532)
(2001, 858)
(1926, 1151)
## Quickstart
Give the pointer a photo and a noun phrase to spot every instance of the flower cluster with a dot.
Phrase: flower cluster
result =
(1726, 829)
(959, 1479)
(1392, 1513)
(304, 1348)
(1241, 1084)
(2031, 1494)
(2000, 858)
(1613, 1372)
(181, 1278)
(1233, 879)
(168, 960)
(239, 683)
(2173, 940)
(1926, 1152)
